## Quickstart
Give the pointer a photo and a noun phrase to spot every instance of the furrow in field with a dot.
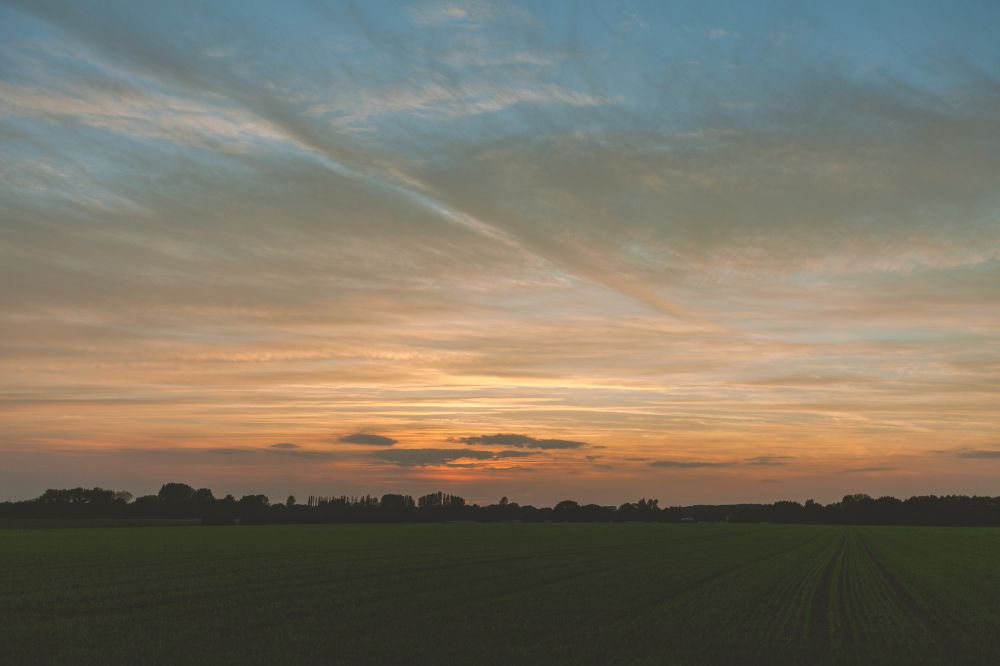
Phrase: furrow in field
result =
(955, 574)
(782, 612)
(249, 583)
(535, 578)
(820, 608)
(933, 627)
(650, 607)
(503, 594)
(273, 575)
(274, 579)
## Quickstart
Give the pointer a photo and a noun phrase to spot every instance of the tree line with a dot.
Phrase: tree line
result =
(181, 501)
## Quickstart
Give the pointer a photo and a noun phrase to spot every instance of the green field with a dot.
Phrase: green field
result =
(501, 593)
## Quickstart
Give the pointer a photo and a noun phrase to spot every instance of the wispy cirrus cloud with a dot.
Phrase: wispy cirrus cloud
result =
(688, 464)
(769, 461)
(471, 14)
(119, 107)
(871, 469)
(447, 101)
(524, 441)
(758, 461)
(228, 451)
(979, 454)
(434, 457)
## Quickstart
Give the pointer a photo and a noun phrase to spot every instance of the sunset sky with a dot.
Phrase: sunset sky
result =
(703, 252)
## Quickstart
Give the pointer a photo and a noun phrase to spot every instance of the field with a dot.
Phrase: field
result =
(501, 594)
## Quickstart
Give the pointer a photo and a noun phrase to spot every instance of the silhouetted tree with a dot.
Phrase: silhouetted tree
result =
(179, 500)
(175, 493)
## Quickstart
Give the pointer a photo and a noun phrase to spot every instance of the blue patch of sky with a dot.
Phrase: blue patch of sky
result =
(667, 67)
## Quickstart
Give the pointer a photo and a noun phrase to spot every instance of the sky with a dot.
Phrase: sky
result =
(703, 252)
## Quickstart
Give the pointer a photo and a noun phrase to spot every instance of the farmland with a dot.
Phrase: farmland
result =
(631, 593)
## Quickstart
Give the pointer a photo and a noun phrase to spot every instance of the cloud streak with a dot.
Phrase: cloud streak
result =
(435, 457)
(523, 441)
(126, 45)
(985, 454)
(367, 439)
(688, 464)
(759, 461)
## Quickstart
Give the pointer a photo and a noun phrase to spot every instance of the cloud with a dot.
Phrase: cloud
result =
(470, 14)
(429, 457)
(139, 112)
(298, 452)
(434, 457)
(978, 454)
(525, 441)
(435, 100)
(759, 461)
(226, 451)
(500, 455)
(770, 460)
(122, 39)
(873, 469)
(285, 445)
(368, 439)
(476, 57)
(688, 464)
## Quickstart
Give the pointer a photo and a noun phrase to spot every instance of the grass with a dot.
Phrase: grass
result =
(501, 594)
(8, 523)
